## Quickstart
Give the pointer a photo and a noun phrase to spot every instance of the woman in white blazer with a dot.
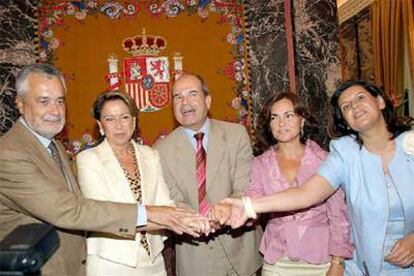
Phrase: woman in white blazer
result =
(120, 170)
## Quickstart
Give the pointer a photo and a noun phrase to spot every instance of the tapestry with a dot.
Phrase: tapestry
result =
(80, 36)
(17, 48)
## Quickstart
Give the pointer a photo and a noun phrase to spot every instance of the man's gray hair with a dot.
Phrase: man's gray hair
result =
(39, 68)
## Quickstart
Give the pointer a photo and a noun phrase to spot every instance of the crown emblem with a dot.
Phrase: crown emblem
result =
(144, 44)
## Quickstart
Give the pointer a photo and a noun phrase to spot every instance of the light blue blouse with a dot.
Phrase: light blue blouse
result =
(360, 174)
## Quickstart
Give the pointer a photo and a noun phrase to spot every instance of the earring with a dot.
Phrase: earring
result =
(101, 131)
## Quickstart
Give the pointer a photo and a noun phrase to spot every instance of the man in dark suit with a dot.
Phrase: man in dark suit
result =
(225, 173)
(37, 185)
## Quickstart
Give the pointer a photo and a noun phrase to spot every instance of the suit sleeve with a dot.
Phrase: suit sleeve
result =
(243, 162)
(26, 189)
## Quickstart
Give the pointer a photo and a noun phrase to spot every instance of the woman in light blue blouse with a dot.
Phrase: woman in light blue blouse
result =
(372, 158)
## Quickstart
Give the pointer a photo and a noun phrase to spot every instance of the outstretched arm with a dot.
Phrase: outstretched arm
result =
(314, 191)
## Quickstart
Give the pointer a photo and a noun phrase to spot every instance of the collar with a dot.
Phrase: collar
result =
(43, 140)
(205, 129)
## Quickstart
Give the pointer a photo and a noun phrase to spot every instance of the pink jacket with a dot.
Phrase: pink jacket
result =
(310, 235)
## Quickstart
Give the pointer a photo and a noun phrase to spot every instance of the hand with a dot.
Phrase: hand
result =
(199, 223)
(238, 214)
(335, 270)
(179, 220)
(219, 214)
(402, 253)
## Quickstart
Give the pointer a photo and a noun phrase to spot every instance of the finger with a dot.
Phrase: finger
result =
(185, 211)
(397, 258)
(225, 200)
(400, 259)
(191, 231)
(394, 250)
(176, 230)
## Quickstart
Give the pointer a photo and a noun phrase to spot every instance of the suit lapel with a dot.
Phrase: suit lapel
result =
(146, 173)
(117, 182)
(185, 156)
(215, 152)
(70, 178)
(41, 155)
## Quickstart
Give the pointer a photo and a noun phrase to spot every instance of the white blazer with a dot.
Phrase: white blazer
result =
(101, 177)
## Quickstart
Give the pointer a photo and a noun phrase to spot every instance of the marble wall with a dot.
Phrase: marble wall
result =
(316, 50)
(268, 55)
(317, 62)
(17, 48)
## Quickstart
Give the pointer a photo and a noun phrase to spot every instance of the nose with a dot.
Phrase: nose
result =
(354, 104)
(118, 122)
(184, 100)
(281, 122)
(54, 109)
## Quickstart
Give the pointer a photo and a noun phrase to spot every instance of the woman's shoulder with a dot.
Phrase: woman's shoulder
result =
(266, 156)
(345, 142)
(88, 153)
(406, 140)
(314, 149)
(145, 150)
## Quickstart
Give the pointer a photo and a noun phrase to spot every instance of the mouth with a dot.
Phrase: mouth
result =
(359, 114)
(52, 119)
(188, 112)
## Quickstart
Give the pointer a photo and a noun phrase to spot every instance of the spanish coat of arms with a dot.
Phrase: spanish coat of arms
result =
(145, 73)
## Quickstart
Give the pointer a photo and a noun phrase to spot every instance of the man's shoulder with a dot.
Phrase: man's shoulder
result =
(170, 140)
(13, 139)
(228, 127)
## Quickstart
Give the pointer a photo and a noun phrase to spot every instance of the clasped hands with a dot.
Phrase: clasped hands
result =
(183, 219)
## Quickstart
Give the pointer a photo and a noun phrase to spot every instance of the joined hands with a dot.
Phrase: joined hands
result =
(185, 220)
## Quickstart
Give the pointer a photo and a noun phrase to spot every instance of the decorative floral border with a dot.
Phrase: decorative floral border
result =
(51, 15)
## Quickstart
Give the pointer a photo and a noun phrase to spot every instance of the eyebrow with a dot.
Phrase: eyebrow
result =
(288, 111)
(358, 93)
(186, 92)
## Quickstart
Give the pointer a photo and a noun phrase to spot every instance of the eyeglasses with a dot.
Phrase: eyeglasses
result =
(113, 119)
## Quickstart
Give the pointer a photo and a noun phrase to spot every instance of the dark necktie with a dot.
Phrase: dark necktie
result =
(201, 163)
(55, 155)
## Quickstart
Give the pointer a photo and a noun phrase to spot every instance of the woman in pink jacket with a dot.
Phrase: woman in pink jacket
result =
(313, 241)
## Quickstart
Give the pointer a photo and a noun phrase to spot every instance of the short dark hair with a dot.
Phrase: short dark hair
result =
(338, 127)
(264, 136)
(107, 96)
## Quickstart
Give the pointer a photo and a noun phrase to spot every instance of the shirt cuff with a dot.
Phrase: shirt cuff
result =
(142, 215)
